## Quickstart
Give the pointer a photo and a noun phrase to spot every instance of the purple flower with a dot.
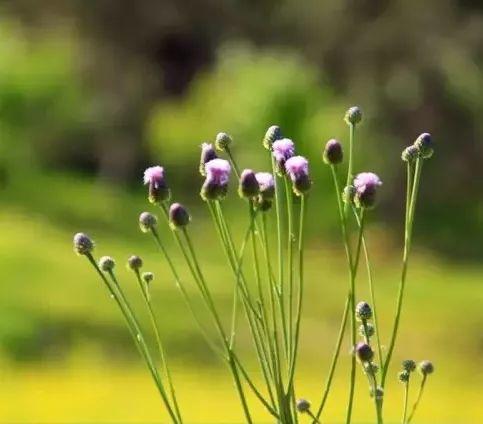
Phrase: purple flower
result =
(217, 177)
(266, 184)
(297, 167)
(333, 152)
(282, 150)
(178, 216)
(366, 184)
(207, 153)
(158, 189)
(248, 186)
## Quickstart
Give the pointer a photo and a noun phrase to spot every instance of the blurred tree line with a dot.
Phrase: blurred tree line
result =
(123, 83)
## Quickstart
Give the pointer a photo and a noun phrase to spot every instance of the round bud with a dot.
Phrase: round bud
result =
(83, 245)
(348, 194)
(332, 154)
(363, 311)
(408, 365)
(222, 141)
(403, 376)
(426, 367)
(134, 262)
(303, 405)
(273, 134)
(248, 186)
(147, 277)
(178, 215)
(147, 221)
(410, 154)
(353, 115)
(371, 368)
(106, 263)
(367, 331)
(364, 352)
(424, 144)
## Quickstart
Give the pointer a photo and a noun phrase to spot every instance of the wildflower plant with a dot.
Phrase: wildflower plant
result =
(271, 295)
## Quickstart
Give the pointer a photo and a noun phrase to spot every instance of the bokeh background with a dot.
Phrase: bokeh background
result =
(93, 92)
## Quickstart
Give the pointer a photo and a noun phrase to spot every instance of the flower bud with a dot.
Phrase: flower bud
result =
(147, 277)
(297, 167)
(426, 367)
(332, 154)
(217, 176)
(424, 144)
(207, 153)
(363, 311)
(134, 263)
(83, 245)
(282, 150)
(408, 365)
(403, 376)
(348, 194)
(266, 185)
(273, 134)
(158, 189)
(248, 186)
(303, 405)
(178, 216)
(364, 352)
(147, 221)
(106, 264)
(366, 184)
(222, 141)
(371, 368)
(410, 154)
(367, 330)
(353, 115)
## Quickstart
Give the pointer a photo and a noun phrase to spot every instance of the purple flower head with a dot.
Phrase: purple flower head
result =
(333, 152)
(366, 184)
(249, 186)
(217, 177)
(207, 153)
(158, 189)
(178, 216)
(364, 352)
(283, 150)
(266, 184)
(297, 167)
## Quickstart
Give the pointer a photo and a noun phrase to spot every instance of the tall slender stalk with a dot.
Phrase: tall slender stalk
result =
(418, 399)
(405, 405)
(290, 239)
(407, 248)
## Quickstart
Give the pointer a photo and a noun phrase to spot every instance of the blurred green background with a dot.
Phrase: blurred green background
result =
(91, 93)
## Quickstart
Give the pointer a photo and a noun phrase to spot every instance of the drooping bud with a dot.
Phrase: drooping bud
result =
(364, 352)
(282, 150)
(367, 330)
(424, 144)
(106, 264)
(332, 154)
(223, 141)
(408, 365)
(248, 186)
(366, 184)
(134, 263)
(410, 154)
(158, 189)
(403, 376)
(353, 115)
(147, 221)
(83, 245)
(297, 167)
(178, 216)
(217, 176)
(426, 367)
(303, 405)
(147, 277)
(363, 311)
(273, 134)
(207, 153)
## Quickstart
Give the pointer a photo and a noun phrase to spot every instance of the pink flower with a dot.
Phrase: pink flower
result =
(154, 176)
(218, 171)
(297, 167)
(366, 180)
(283, 149)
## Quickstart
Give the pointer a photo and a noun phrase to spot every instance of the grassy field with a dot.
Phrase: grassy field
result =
(66, 356)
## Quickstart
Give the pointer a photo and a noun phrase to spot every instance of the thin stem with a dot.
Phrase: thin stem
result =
(418, 399)
(290, 239)
(162, 355)
(406, 398)
(407, 248)
(278, 210)
(350, 168)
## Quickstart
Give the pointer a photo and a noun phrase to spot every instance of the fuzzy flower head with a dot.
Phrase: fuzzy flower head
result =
(353, 115)
(297, 168)
(267, 191)
(217, 177)
(106, 264)
(365, 185)
(147, 221)
(424, 145)
(222, 141)
(248, 187)
(207, 153)
(83, 245)
(273, 134)
(303, 405)
(178, 216)
(364, 352)
(155, 179)
(332, 154)
(426, 367)
(282, 150)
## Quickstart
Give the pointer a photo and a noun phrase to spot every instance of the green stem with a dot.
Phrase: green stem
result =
(418, 399)
(350, 168)
(407, 248)
(278, 210)
(290, 239)
(406, 399)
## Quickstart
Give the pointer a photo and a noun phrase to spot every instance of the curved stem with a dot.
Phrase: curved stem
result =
(418, 399)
